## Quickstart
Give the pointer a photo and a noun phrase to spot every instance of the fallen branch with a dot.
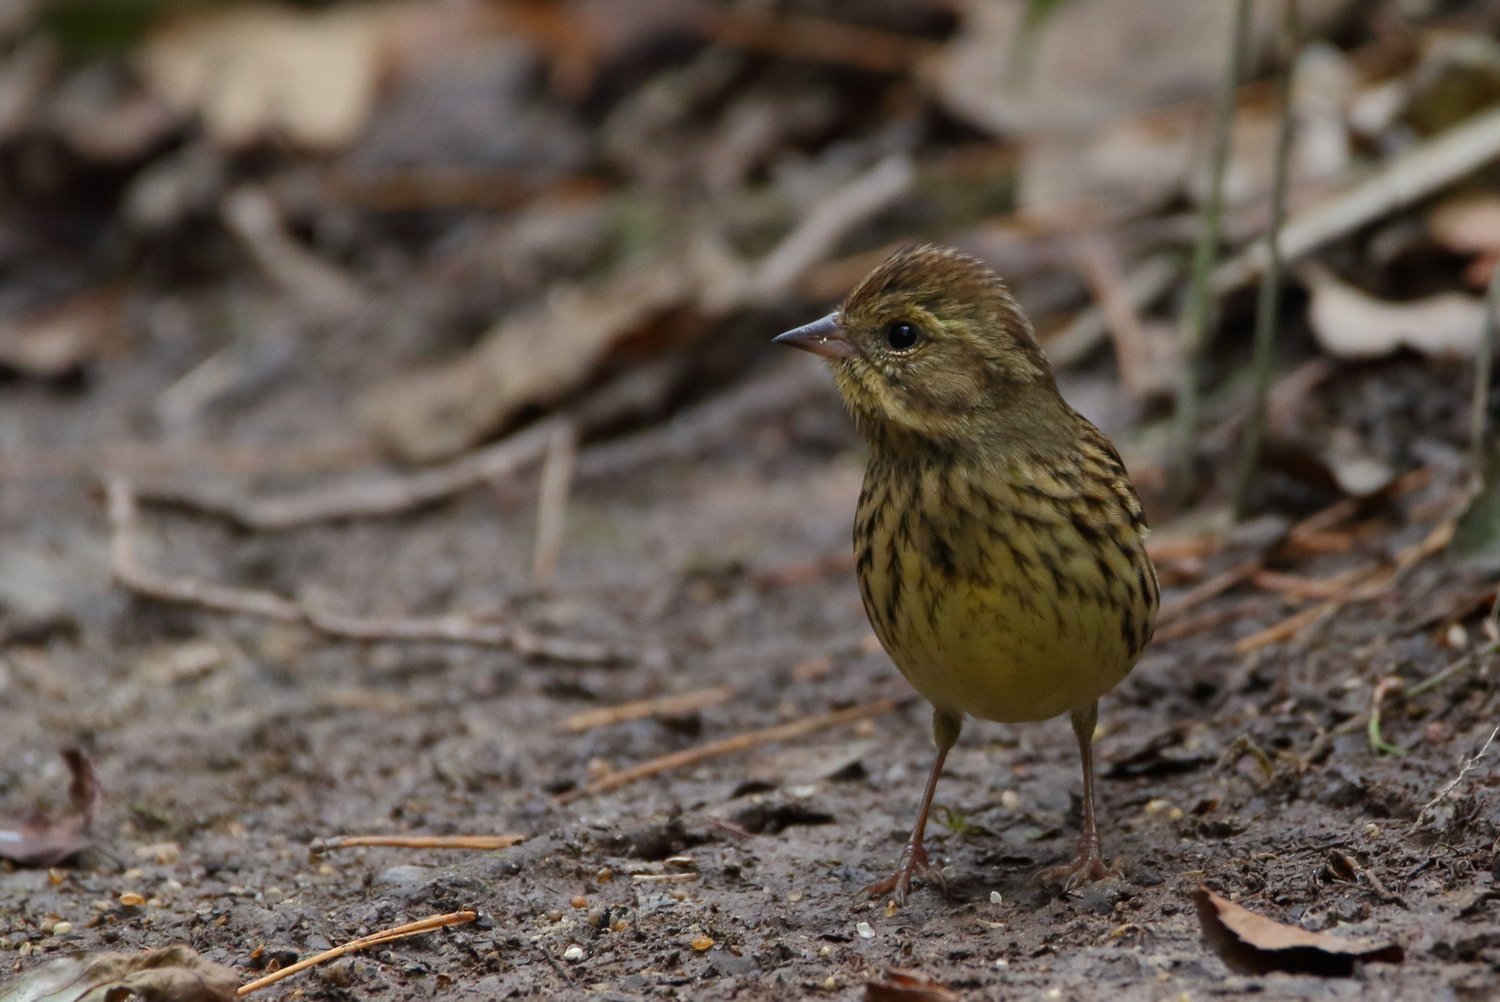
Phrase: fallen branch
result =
(686, 436)
(355, 945)
(1408, 178)
(739, 742)
(365, 497)
(323, 845)
(130, 574)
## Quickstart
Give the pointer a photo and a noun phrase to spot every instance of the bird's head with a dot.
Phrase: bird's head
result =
(927, 345)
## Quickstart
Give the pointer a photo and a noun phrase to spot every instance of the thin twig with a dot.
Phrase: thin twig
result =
(1268, 302)
(355, 945)
(835, 214)
(739, 742)
(1372, 585)
(1211, 588)
(1100, 267)
(658, 706)
(552, 503)
(821, 40)
(322, 845)
(133, 576)
(1198, 311)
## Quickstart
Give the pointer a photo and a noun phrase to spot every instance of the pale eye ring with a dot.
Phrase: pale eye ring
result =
(902, 335)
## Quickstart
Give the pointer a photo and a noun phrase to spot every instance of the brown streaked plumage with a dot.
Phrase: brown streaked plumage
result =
(999, 544)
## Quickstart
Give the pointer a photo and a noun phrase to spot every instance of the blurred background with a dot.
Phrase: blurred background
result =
(439, 220)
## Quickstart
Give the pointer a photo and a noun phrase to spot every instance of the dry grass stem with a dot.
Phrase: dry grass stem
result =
(135, 577)
(1197, 314)
(552, 503)
(658, 706)
(363, 943)
(1268, 302)
(739, 742)
(322, 845)
(1464, 771)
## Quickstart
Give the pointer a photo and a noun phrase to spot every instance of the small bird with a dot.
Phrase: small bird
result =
(999, 543)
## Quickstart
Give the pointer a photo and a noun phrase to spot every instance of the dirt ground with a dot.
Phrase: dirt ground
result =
(225, 745)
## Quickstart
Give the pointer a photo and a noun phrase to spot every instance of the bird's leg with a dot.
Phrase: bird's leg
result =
(1089, 863)
(945, 729)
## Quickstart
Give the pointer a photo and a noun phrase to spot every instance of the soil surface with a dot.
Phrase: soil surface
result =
(226, 745)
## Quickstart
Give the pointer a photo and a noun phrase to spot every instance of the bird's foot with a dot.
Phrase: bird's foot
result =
(914, 863)
(1086, 867)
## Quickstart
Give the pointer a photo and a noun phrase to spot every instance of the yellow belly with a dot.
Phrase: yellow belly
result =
(978, 651)
(995, 608)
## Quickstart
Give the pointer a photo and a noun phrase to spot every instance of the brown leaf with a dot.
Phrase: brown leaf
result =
(1253, 944)
(43, 841)
(171, 974)
(83, 791)
(900, 985)
(531, 358)
(1350, 323)
(257, 70)
(58, 340)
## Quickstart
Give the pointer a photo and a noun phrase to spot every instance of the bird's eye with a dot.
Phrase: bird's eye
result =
(901, 335)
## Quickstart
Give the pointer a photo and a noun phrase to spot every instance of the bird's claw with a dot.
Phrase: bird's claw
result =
(914, 863)
(1087, 867)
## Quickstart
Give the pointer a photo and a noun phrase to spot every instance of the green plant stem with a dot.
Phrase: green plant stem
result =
(1483, 363)
(1268, 298)
(1198, 311)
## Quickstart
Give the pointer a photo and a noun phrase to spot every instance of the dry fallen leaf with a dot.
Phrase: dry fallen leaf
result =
(533, 357)
(44, 841)
(1470, 225)
(255, 70)
(900, 985)
(57, 341)
(1253, 944)
(170, 974)
(1350, 323)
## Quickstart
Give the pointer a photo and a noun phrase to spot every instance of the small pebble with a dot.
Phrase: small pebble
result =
(62, 928)
(579, 901)
(130, 899)
(794, 897)
(830, 983)
(864, 930)
(573, 953)
(995, 897)
(701, 943)
(1010, 799)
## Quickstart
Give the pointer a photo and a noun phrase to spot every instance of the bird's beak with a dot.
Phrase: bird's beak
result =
(821, 337)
